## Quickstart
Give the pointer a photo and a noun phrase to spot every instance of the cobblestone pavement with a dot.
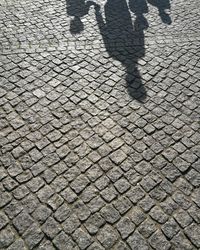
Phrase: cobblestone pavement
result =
(99, 126)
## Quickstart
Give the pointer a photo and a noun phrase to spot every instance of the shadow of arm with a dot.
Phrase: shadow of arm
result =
(99, 18)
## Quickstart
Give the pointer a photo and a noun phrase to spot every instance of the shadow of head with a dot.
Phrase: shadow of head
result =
(76, 25)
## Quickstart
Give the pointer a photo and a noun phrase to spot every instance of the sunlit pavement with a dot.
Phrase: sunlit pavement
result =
(99, 124)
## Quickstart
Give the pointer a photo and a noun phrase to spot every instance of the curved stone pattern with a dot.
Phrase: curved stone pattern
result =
(99, 131)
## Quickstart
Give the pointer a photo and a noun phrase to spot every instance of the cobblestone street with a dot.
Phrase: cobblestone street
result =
(99, 124)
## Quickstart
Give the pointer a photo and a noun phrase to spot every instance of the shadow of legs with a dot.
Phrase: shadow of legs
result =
(134, 83)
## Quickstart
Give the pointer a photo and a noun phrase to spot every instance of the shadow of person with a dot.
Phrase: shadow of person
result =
(124, 41)
(77, 9)
(162, 6)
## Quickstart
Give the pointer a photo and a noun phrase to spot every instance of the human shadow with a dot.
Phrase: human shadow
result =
(124, 41)
(123, 38)
(77, 9)
(162, 6)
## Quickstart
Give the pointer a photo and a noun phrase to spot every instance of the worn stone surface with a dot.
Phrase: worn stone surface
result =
(99, 124)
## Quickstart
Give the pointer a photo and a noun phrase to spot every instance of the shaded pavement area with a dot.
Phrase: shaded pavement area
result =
(99, 124)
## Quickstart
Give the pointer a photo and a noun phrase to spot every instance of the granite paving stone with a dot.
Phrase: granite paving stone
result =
(99, 124)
